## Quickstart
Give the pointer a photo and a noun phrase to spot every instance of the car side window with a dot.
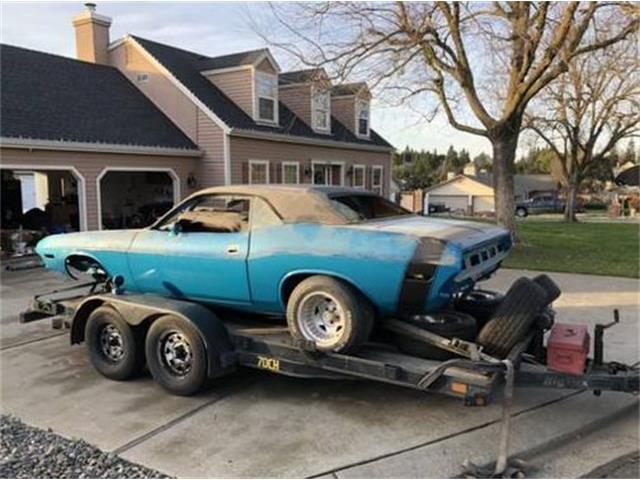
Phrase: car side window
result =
(262, 215)
(211, 213)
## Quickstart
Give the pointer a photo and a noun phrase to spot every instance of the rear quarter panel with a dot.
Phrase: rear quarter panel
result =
(374, 262)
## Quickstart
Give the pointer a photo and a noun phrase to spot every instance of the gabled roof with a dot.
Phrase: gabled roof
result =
(348, 88)
(523, 183)
(49, 97)
(186, 66)
(302, 76)
(250, 57)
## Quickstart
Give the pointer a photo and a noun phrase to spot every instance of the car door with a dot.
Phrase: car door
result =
(195, 252)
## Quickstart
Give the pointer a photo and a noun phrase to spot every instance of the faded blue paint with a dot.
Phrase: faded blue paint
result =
(371, 256)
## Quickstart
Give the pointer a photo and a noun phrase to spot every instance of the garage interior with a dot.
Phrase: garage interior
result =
(36, 203)
(134, 199)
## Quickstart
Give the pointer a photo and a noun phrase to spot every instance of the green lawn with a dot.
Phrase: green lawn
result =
(595, 248)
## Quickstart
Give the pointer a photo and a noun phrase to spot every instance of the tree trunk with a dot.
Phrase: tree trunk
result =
(504, 154)
(572, 196)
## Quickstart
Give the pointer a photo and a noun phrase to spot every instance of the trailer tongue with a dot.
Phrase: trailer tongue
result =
(231, 340)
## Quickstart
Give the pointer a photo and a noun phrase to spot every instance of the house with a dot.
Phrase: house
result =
(115, 137)
(472, 192)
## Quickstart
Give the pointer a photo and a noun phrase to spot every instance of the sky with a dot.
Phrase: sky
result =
(210, 28)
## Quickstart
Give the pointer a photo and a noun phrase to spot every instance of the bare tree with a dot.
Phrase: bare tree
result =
(587, 111)
(481, 63)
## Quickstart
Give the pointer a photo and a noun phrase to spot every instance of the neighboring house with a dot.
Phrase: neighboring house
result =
(134, 125)
(472, 192)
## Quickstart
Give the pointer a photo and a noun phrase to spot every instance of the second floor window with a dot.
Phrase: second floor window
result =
(321, 106)
(267, 96)
(358, 176)
(362, 118)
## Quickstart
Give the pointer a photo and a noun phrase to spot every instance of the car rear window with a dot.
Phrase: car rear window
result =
(359, 208)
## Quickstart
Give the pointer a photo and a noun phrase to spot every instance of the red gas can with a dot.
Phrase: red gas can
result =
(567, 348)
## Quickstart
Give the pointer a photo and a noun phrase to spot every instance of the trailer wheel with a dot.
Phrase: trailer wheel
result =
(549, 286)
(446, 323)
(329, 313)
(176, 355)
(114, 348)
(480, 304)
(513, 319)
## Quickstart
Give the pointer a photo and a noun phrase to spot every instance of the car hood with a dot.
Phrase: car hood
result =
(114, 240)
(465, 234)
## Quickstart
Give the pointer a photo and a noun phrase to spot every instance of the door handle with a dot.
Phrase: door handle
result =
(233, 249)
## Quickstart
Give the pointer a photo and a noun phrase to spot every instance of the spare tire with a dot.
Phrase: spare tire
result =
(549, 286)
(513, 319)
(446, 323)
(480, 304)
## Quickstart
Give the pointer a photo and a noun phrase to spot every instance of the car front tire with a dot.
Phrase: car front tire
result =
(330, 314)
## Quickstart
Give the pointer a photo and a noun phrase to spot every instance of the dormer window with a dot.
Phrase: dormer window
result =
(362, 118)
(321, 108)
(266, 97)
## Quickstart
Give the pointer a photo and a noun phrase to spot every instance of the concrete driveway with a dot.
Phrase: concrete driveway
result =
(261, 425)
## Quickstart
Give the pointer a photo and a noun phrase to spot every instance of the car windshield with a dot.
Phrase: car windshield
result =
(359, 208)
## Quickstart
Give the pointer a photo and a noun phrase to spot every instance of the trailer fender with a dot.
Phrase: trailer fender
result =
(144, 309)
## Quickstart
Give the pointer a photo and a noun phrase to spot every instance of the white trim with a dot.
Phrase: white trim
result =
(327, 129)
(258, 162)
(116, 43)
(266, 55)
(226, 147)
(381, 185)
(289, 164)
(105, 170)
(34, 144)
(280, 137)
(82, 185)
(178, 84)
(340, 163)
(357, 116)
(362, 167)
(217, 71)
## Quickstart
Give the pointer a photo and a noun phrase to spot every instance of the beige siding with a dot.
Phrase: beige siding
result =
(298, 99)
(159, 89)
(483, 204)
(344, 110)
(90, 165)
(238, 86)
(462, 186)
(211, 141)
(265, 66)
(244, 149)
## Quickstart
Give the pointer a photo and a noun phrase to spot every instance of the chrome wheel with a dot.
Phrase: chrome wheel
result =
(112, 343)
(175, 353)
(321, 318)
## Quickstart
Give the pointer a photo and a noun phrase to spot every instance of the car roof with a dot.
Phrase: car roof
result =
(268, 190)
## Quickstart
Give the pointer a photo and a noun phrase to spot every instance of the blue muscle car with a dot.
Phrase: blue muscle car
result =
(329, 258)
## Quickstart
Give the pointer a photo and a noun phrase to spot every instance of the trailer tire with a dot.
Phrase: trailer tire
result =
(480, 304)
(350, 310)
(513, 319)
(549, 286)
(176, 355)
(115, 349)
(446, 323)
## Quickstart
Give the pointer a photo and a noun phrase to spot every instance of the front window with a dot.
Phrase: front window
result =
(258, 171)
(362, 118)
(358, 208)
(290, 172)
(376, 180)
(358, 176)
(267, 96)
(321, 110)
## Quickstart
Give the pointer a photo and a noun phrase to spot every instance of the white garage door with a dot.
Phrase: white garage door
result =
(452, 202)
(483, 204)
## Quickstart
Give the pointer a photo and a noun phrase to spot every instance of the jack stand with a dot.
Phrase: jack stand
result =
(504, 467)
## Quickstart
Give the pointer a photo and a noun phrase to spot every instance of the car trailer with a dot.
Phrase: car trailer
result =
(232, 339)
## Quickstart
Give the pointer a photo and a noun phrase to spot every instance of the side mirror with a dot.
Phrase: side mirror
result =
(176, 229)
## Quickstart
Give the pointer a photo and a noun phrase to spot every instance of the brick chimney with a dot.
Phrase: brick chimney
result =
(92, 35)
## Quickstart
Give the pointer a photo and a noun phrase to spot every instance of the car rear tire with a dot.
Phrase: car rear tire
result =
(446, 323)
(176, 355)
(115, 349)
(521, 212)
(513, 319)
(330, 314)
(480, 304)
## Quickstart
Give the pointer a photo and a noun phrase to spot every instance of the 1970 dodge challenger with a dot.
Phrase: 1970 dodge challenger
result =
(329, 258)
